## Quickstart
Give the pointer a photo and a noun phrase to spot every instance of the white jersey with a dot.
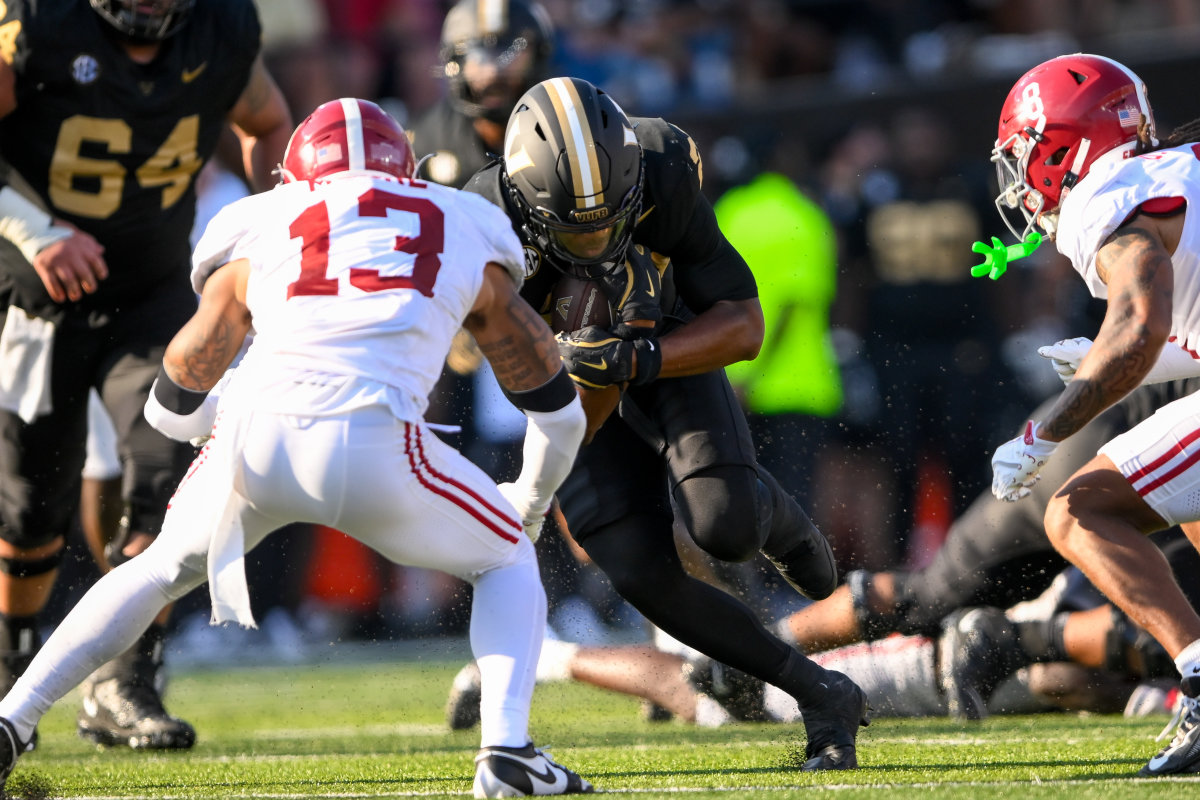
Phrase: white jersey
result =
(1112, 190)
(364, 315)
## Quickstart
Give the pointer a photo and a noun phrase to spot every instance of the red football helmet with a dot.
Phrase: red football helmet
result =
(1059, 118)
(347, 134)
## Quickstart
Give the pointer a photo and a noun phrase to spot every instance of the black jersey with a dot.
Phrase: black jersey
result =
(676, 223)
(448, 136)
(113, 146)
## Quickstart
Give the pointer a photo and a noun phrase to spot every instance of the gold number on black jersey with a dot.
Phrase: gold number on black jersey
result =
(92, 187)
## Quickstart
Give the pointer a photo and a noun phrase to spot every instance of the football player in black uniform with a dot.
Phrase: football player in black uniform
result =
(593, 193)
(108, 110)
(492, 51)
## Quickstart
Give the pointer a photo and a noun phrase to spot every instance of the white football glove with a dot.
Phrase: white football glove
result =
(531, 517)
(1173, 362)
(1016, 463)
(1065, 355)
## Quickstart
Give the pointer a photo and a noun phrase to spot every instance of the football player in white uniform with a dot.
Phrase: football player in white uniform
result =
(355, 279)
(1077, 156)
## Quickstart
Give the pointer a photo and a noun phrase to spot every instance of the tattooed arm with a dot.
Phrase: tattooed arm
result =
(521, 349)
(204, 348)
(512, 336)
(1135, 264)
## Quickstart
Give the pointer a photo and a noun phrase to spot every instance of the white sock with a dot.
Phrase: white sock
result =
(508, 620)
(555, 662)
(1188, 660)
(709, 713)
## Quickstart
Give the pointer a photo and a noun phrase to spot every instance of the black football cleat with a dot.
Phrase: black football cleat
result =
(740, 694)
(977, 650)
(523, 772)
(462, 706)
(122, 705)
(11, 748)
(832, 725)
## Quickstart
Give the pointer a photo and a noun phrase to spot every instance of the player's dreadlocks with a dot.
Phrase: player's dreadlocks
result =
(1184, 134)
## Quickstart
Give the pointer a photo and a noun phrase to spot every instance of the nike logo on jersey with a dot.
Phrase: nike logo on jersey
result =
(190, 75)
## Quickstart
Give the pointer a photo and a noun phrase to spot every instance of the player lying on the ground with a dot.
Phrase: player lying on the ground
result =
(906, 675)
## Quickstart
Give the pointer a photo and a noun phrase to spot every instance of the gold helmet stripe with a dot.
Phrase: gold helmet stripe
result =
(492, 16)
(579, 142)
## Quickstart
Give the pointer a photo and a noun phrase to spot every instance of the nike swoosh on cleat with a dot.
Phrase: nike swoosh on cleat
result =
(551, 780)
(1157, 762)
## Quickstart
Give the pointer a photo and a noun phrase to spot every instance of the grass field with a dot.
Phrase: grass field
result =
(372, 727)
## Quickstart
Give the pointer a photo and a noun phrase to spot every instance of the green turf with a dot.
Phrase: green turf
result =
(375, 730)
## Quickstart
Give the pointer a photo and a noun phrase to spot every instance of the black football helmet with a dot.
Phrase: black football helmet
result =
(483, 53)
(145, 21)
(573, 167)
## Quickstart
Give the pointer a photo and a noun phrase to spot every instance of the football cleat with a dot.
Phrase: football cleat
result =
(1182, 755)
(741, 695)
(977, 650)
(462, 706)
(523, 772)
(11, 748)
(832, 725)
(122, 705)
(19, 643)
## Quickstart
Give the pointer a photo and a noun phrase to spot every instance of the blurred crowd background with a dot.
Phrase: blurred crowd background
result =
(845, 146)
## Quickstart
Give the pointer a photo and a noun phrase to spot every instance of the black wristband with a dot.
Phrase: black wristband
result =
(175, 398)
(552, 395)
(649, 360)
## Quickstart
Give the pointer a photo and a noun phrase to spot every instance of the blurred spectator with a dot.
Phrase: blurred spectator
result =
(789, 243)
(931, 333)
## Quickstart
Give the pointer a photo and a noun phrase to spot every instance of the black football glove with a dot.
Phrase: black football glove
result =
(636, 293)
(595, 357)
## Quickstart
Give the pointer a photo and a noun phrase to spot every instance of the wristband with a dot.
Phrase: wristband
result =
(25, 225)
(175, 398)
(550, 396)
(649, 360)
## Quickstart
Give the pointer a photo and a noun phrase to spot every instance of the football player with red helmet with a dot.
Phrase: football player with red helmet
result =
(355, 279)
(1078, 157)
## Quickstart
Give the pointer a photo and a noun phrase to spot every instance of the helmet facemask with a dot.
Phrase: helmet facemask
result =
(146, 21)
(1011, 158)
(492, 51)
(553, 234)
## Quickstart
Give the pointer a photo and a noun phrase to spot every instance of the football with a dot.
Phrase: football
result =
(576, 303)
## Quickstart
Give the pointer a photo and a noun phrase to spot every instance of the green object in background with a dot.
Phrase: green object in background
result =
(997, 256)
(790, 244)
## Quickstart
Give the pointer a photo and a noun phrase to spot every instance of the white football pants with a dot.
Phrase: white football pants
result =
(390, 484)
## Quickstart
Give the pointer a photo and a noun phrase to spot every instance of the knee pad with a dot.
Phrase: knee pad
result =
(18, 567)
(871, 624)
(1128, 648)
